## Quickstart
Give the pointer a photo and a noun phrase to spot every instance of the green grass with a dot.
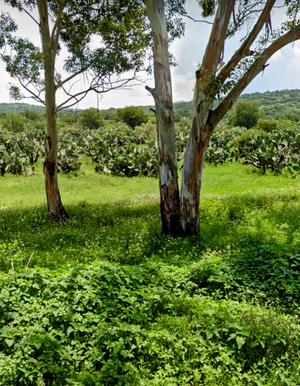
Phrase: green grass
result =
(111, 301)
(117, 219)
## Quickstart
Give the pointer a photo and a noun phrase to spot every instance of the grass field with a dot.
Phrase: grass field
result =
(108, 300)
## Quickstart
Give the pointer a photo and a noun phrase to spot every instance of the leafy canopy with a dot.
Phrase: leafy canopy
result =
(105, 41)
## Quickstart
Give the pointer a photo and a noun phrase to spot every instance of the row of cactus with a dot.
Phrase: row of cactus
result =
(19, 153)
(122, 152)
(119, 151)
(275, 150)
(125, 152)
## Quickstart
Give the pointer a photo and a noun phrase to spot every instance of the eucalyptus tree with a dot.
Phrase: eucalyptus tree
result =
(104, 39)
(213, 79)
(162, 94)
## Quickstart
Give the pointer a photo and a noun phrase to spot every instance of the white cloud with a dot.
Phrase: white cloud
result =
(277, 56)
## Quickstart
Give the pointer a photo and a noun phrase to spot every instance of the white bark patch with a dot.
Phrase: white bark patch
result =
(164, 174)
(187, 195)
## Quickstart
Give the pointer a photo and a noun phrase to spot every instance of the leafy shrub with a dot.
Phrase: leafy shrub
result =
(292, 114)
(248, 138)
(68, 160)
(283, 125)
(222, 147)
(31, 145)
(90, 119)
(245, 114)
(266, 125)
(133, 116)
(106, 324)
(70, 152)
(148, 129)
(14, 123)
(12, 161)
(277, 150)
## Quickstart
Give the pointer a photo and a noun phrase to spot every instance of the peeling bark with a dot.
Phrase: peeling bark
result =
(201, 130)
(168, 179)
(204, 120)
(192, 178)
(55, 206)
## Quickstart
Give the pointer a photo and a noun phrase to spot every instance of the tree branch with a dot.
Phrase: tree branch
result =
(34, 96)
(106, 86)
(151, 90)
(29, 14)
(56, 30)
(70, 78)
(195, 20)
(243, 15)
(258, 66)
(244, 50)
(215, 44)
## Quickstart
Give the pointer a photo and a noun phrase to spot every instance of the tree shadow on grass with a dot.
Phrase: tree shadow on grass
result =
(129, 233)
(93, 232)
(250, 219)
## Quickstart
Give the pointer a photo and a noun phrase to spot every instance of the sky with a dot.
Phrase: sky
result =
(283, 71)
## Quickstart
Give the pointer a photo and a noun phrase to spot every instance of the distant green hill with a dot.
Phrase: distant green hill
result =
(19, 107)
(273, 103)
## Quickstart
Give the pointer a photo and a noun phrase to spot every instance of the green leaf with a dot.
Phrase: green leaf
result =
(209, 334)
(9, 342)
(38, 344)
(240, 341)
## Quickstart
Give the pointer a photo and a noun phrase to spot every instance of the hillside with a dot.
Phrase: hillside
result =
(273, 103)
(19, 107)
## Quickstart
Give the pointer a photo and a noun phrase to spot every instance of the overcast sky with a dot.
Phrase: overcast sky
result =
(283, 71)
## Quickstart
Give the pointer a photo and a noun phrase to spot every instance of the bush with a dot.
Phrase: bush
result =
(245, 114)
(14, 123)
(122, 152)
(266, 125)
(133, 116)
(222, 147)
(12, 161)
(91, 119)
(113, 325)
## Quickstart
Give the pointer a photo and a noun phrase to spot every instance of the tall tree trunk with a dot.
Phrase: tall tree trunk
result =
(168, 178)
(192, 176)
(201, 128)
(55, 206)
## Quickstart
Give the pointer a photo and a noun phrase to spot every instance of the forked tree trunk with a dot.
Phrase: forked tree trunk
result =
(168, 178)
(208, 81)
(55, 207)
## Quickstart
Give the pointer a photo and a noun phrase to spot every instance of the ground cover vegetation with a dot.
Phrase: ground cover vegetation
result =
(105, 298)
